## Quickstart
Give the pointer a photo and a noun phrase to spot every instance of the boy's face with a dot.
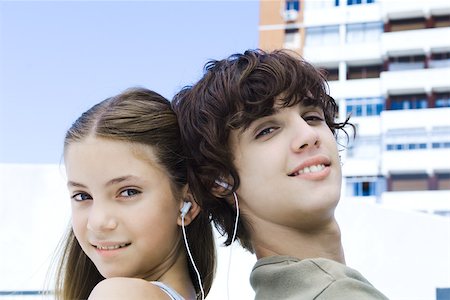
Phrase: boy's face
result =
(289, 168)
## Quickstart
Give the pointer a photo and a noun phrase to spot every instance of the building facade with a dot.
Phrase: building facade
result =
(388, 66)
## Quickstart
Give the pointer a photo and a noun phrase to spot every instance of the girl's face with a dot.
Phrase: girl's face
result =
(124, 214)
(289, 168)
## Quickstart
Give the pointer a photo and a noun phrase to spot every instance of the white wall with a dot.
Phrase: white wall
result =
(404, 254)
(34, 212)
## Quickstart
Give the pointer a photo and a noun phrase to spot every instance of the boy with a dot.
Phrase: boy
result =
(260, 129)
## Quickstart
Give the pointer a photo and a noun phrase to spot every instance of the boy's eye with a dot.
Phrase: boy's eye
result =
(81, 197)
(129, 193)
(265, 131)
(311, 119)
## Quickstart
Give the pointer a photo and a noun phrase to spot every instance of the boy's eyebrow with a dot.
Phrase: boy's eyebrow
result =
(244, 129)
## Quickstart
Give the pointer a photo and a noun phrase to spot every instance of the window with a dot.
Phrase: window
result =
(406, 139)
(365, 186)
(443, 181)
(293, 5)
(443, 213)
(365, 147)
(418, 101)
(359, 107)
(440, 56)
(442, 21)
(407, 146)
(442, 100)
(361, 72)
(398, 63)
(318, 5)
(409, 182)
(331, 73)
(364, 32)
(440, 60)
(437, 145)
(322, 36)
(291, 38)
(407, 24)
(356, 2)
(291, 10)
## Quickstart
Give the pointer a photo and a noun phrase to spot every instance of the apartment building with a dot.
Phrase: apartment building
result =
(388, 65)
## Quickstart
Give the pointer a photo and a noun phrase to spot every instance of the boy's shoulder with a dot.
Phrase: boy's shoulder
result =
(288, 277)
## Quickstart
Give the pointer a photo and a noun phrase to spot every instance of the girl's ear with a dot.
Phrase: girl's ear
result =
(192, 212)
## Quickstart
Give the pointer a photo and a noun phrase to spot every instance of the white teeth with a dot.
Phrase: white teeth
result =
(111, 247)
(310, 169)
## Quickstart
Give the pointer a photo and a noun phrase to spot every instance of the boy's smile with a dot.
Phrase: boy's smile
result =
(313, 168)
(288, 167)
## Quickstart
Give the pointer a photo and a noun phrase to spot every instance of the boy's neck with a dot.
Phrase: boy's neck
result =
(325, 242)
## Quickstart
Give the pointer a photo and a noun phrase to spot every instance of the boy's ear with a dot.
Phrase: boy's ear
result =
(221, 188)
(193, 211)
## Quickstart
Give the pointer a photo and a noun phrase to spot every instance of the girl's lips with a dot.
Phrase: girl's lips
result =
(110, 246)
(110, 250)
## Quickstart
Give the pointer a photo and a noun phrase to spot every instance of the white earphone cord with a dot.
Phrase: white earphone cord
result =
(192, 260)
(231, 245)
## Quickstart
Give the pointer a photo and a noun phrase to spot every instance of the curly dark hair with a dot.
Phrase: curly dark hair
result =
(233, 93)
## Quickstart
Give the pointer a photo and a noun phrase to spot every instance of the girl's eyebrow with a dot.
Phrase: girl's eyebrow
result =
(120, 179)
(110, 182)
(75, 184)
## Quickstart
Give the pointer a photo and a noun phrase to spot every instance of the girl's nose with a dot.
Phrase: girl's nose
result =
(101, 217)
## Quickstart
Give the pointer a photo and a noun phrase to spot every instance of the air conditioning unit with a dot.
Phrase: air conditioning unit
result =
(290, 15)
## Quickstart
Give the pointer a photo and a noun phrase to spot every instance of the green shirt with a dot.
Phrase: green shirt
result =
(289, 278)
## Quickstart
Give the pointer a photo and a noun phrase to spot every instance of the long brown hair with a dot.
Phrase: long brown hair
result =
(144, 117)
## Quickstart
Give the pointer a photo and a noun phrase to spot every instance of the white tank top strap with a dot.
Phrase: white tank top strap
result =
(168, 290)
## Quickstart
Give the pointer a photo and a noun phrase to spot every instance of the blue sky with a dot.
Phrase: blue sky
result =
(58, 58)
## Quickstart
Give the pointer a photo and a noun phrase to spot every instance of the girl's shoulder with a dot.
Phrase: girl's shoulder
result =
(126, 288)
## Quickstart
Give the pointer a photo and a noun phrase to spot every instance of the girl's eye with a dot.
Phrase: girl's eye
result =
(129, 193)
(81, 197)
(265, 131)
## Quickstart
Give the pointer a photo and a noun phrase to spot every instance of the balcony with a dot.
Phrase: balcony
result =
(355, 88)
(398, 66)
(414, 41)
(362, 53)
(342, 14)
(415, 81)
(424, 201)
(410, 9)
(417, 132)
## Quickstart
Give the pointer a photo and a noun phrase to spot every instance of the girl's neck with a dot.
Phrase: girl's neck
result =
(178, 278)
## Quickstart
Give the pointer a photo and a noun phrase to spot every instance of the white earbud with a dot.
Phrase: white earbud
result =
(223, 184)
(184, 210)
(186, 207)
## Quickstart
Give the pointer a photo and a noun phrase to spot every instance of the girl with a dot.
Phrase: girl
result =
(127, 182)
